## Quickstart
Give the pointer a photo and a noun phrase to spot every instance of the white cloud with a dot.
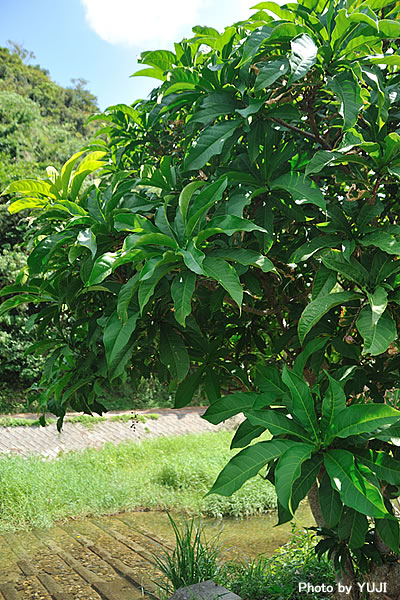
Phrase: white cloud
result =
(138, 23)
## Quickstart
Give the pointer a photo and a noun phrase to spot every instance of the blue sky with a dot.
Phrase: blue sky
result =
(99, 40)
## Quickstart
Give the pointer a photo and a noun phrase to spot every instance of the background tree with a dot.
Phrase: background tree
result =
(40, 123)
(280, 137)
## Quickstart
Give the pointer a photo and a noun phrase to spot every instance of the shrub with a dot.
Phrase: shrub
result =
(277, 578)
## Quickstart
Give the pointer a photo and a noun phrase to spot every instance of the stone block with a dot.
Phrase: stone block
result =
(207, 590)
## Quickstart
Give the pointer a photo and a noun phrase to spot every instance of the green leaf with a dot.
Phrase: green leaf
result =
(314, 311)
(246, 464)
(378, 338)
(270, 72)
(288, 470)
(186, 195)
(116, 337)
(15, 301)
(67, 170)
(70, 207)
(378, 303)
(329, 501)
(133, 222)
(346, 87)
(225, 275)
(150, 72)
(246, 433)
(277, 423)
(173, 353)
(321, 159)
(302, 57)
(102, 268)
(41, 255)
(156, 239)
(353, 527)
(244, 257)
(146, 287)
(308, 474)
(87, 239)
(309, 248)
(380, 239)
(389, 29)
(252, 108)
(209, 196)
(333, 403)
(160, 59)
(384, 466)
(313, 346)
(193, 258)
(25, 203)
(389, 531)
(361, 418)
(302, 189)
(230, 224)
(302, 402)
(125, 296)
(324, 281)
(253, 43)
(232, 404)
(351, 269)
(269, 381)
(355, 491)
(182, 289)
(30, 186)
(389, 434)
(209, 143)
(80, 176)
(186, 389)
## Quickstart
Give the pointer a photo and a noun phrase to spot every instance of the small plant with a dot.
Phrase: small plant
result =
(194, 559)
(278, 577)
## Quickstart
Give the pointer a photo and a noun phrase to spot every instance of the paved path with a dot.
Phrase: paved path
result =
(46, 441)
(90, 559)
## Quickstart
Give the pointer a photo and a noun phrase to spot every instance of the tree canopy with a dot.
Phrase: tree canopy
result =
(242, 234)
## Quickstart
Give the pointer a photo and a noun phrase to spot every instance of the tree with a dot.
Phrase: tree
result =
(279, 137)
(29, 141)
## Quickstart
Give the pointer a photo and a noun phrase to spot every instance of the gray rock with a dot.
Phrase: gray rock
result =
(207, 590)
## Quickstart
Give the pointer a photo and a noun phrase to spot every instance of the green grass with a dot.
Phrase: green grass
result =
(86, 420)
(163, 473)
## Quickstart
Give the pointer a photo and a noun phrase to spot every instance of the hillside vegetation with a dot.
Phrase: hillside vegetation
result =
(41, 124)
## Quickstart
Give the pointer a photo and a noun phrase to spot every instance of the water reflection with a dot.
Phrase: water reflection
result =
(246, 538)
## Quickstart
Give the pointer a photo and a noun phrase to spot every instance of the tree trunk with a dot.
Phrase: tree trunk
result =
(381, 583)
(348, 579)
(388, 573)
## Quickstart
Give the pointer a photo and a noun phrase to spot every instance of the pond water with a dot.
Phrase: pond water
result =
(245, 538)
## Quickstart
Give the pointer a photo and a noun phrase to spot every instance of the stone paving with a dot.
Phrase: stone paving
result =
(47, 442)
(108, 558)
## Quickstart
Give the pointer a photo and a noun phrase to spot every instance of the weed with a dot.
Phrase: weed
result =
(193, 560)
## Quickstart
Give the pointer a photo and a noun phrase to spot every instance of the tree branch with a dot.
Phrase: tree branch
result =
(306, 134)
